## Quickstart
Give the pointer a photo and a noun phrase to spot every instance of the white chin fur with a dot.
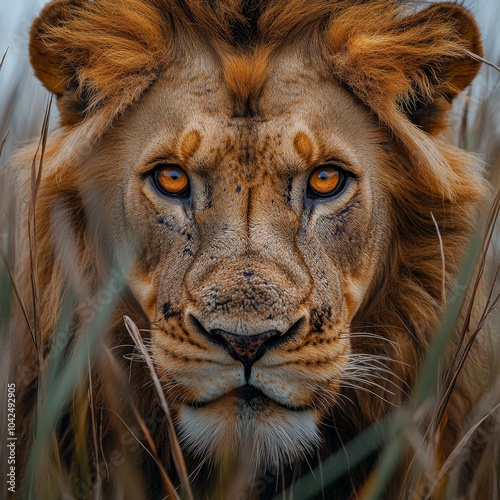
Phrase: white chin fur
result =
(264, 436)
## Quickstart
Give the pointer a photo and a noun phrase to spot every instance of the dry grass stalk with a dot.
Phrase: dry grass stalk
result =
(177, 454)
(118, 376)
(36, 176)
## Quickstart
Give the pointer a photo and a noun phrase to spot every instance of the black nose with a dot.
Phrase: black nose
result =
(247, 348)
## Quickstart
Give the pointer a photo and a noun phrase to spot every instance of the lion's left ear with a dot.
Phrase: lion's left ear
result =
(449, 73)
(417, 62)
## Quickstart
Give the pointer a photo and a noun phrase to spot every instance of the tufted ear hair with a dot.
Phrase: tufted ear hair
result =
(418, 62)
(446, 75)
(95, 55)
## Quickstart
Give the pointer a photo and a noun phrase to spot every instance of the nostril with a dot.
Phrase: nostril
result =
(212, 335)
(197, 326)
(294, 330)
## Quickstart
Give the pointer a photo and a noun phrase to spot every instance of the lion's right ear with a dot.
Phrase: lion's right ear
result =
(52, 61)
(48, 58)
(95, 55)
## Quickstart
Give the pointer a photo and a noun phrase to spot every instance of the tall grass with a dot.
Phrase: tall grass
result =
(401, 434)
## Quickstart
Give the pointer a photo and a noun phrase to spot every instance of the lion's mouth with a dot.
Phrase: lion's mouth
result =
(248, 394)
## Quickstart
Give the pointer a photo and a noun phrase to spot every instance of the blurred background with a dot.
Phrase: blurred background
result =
(23, 100)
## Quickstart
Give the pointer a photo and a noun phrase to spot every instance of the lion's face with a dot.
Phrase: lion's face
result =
(256, 254)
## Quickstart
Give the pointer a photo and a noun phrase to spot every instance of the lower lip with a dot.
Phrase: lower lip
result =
(248, 394)
(244, 393)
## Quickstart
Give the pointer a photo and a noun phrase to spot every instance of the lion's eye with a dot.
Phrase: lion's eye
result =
(171, 180)
(326, 181)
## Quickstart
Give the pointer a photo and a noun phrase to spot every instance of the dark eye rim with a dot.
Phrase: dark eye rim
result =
(345, 179)
(153, 177)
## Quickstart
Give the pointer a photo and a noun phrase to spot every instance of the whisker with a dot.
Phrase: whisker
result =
(373, 371)
(365, 389)
(376, 357)
(368, 324)
(368, 335)
(370, 383)
(112, 348)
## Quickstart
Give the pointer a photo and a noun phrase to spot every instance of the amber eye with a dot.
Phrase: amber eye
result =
(171, 180)
(326, 181)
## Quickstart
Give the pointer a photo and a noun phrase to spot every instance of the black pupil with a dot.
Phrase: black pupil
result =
(323, 175)
(174, 175)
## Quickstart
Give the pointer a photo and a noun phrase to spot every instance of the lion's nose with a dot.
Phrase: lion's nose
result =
(247, 348)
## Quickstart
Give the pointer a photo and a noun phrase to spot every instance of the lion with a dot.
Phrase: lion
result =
(267, 190)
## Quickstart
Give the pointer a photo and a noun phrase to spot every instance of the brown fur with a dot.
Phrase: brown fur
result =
(247, 258)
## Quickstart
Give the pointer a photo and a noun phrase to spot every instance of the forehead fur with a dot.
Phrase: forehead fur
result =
(115, 50)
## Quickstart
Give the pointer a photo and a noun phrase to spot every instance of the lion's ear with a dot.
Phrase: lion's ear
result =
(448, 73)
(54, 64)
(96, 55)
(417, 62)
(48, 58)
